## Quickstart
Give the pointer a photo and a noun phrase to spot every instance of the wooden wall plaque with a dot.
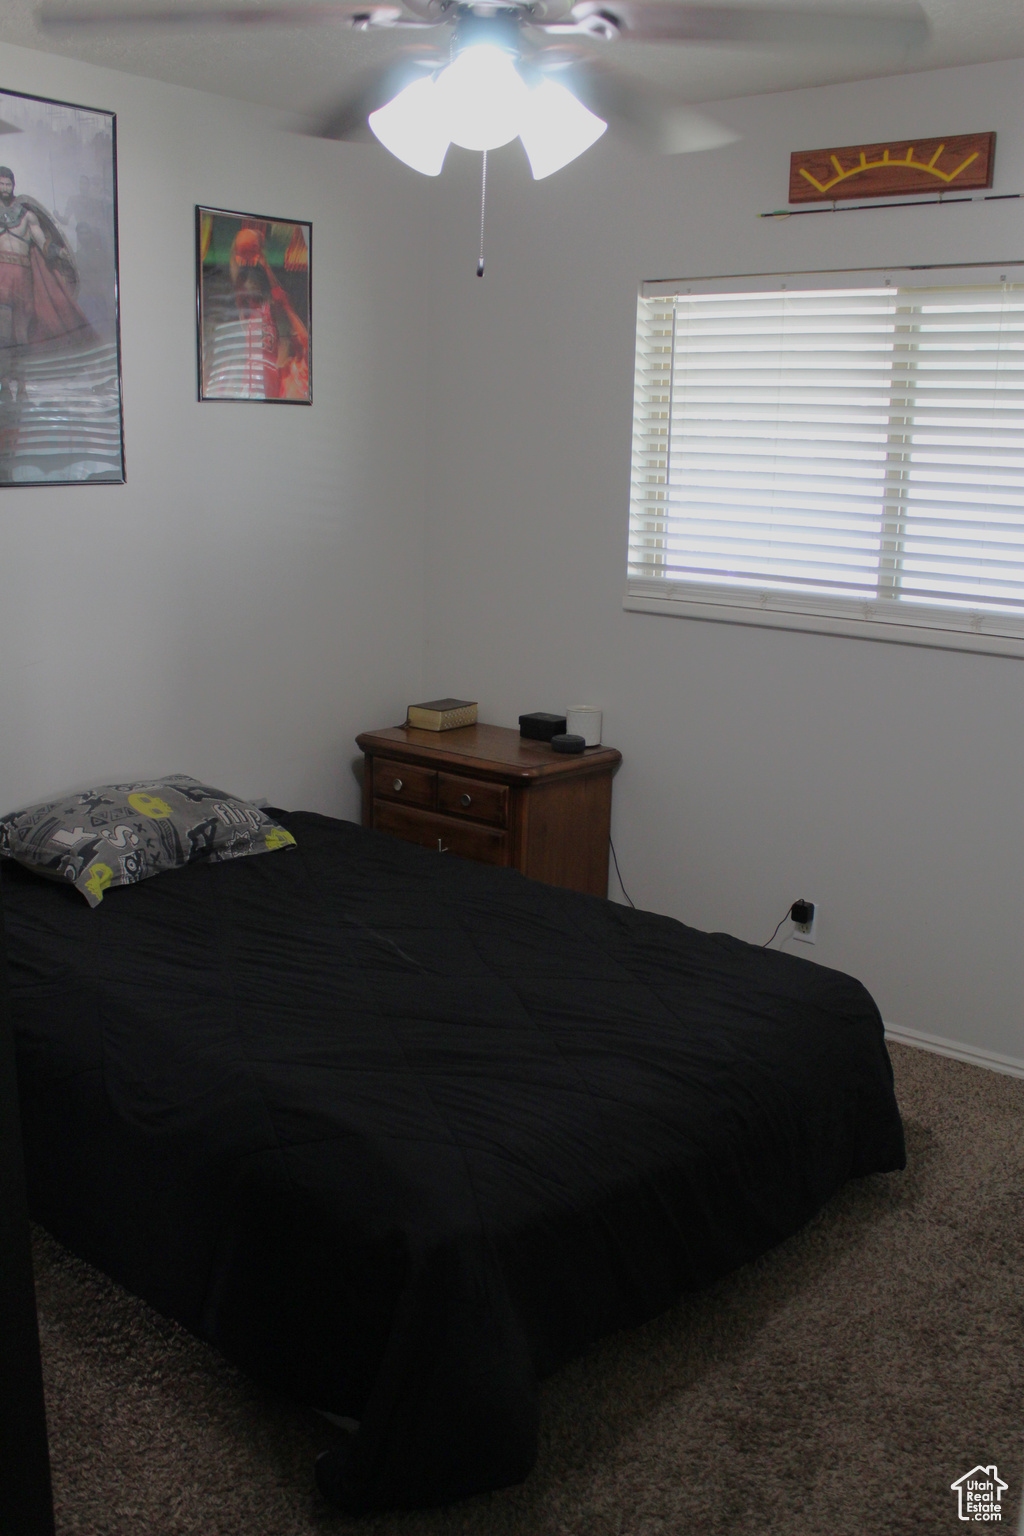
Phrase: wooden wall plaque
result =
(961, 163)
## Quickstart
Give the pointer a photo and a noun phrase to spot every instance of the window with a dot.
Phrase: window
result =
(837, 451)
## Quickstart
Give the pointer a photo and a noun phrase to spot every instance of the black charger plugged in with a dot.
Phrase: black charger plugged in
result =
(801, 913)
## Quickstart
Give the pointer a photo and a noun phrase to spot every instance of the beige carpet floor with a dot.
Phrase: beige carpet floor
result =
(834, 1388)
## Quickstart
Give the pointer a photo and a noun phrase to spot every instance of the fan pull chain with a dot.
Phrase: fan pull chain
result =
(483, 205)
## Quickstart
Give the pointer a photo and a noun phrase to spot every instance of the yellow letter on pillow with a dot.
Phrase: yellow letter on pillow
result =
(99, 879)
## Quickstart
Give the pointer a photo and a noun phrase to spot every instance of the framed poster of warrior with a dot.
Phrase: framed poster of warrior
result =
(253, 307)
(61, 420)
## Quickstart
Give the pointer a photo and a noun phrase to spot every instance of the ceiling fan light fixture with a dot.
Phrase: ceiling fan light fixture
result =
(482, 97)
(412, 125)
(480, 101)
(556, 128)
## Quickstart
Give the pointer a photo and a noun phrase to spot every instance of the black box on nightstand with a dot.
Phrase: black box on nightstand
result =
(541, 727)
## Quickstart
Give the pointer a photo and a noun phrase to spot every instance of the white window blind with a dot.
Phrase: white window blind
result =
(852, 451)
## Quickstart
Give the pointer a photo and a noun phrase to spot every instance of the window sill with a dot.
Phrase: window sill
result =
(825, 624)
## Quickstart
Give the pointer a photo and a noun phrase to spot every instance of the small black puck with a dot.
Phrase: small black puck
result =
(564, 743)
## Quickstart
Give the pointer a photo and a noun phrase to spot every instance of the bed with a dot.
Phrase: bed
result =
(399, 1134)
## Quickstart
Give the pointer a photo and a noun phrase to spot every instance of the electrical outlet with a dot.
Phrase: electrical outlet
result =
(807, 933)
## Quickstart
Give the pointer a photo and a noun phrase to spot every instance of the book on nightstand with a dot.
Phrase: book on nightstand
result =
(441, 714)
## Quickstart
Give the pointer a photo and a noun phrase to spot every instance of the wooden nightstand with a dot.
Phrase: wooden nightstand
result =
(487, 793)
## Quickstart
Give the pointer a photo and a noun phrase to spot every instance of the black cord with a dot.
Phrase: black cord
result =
(622, 888)
(778, 925)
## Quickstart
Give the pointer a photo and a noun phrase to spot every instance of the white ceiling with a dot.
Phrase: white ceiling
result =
(305, 69)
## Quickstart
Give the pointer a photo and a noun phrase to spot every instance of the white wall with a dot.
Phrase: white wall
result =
(253, 596)
(884, 782)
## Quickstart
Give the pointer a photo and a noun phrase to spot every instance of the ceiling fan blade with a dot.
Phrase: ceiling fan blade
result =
(311, 13)
(900, 25)
(647, 113)
(685, 131)
(346, 119)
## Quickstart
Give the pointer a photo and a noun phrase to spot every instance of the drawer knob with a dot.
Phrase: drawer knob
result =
(465, 800)
(396, 786)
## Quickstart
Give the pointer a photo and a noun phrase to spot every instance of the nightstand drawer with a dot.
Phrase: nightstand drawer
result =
(475, 799)
(442, 833)
(404, 782)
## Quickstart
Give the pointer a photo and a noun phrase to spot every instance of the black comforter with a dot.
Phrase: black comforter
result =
(401, 1133)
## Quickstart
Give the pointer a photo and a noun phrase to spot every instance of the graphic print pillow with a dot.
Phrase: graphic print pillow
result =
(120, 833)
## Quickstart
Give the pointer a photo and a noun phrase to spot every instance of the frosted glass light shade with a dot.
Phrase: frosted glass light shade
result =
(555, 128)
(482, 98)
(413, 127)
(481, 102)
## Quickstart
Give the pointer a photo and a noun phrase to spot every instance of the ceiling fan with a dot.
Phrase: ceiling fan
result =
(547, 41)
(479, 73)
